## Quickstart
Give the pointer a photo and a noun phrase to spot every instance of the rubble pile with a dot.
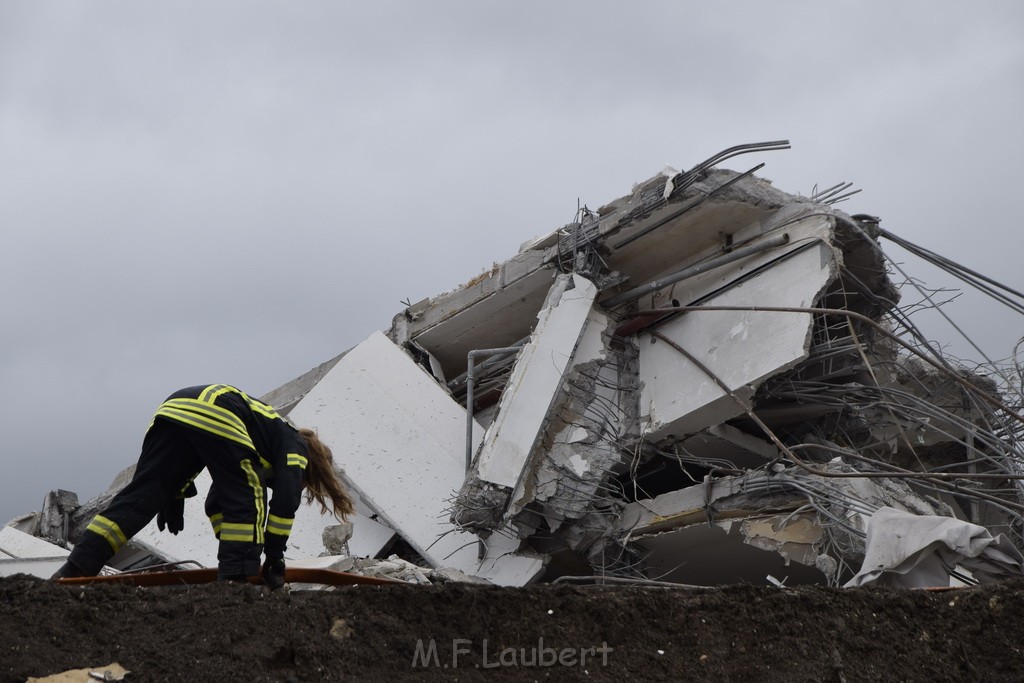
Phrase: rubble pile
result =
(705, 381)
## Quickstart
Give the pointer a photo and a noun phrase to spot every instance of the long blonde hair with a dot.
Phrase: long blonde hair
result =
(322, 482)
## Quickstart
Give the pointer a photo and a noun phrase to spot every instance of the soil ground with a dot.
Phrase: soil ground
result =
(544, 632)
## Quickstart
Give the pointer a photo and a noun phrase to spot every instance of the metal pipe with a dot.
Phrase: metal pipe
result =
(711, 264)
(685, 177)
(470, 364)
(456, 381)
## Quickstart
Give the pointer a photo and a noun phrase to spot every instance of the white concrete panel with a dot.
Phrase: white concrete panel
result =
(21, 553)
(534, 384)
(816, 228)
(369, 536)
(589, 348)
(42, 567)
(18, 544)
(401, 440)
(741, 348)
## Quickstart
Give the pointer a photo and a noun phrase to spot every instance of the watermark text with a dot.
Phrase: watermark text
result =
(465, 653)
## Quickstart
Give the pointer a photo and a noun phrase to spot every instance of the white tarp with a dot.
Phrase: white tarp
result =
(918, 551)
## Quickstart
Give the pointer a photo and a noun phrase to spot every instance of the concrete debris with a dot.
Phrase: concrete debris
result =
(707, 380)
(336, 538)
(393, 567)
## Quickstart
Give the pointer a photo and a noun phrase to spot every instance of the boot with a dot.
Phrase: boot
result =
(69, 570)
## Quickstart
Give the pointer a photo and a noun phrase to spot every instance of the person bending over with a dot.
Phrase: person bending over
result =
(248, 448)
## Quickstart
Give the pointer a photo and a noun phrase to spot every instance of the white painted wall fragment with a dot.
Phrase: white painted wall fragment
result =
(21, 553)
(401, 439)
(535, 381)
(741, 348)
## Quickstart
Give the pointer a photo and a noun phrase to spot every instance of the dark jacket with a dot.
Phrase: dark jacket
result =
(228, 413)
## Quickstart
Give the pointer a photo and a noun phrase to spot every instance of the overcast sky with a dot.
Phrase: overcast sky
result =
(197, 192)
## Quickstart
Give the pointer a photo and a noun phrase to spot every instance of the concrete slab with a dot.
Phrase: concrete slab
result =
(534, 384)
(741, 348)
(467, 322)
(21, 553)
(401, 439)
(699, 287)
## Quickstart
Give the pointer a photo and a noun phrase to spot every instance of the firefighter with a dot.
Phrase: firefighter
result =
(248, 448)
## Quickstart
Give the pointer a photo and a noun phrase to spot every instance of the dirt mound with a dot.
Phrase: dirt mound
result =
(550, 632)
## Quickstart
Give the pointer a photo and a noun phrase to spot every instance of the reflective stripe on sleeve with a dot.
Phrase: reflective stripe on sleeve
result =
(282, 526)
(216, 520)
(109, 530)
(300, 461)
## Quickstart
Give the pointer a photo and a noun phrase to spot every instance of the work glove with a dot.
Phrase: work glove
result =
(172, 516)
(273, 573)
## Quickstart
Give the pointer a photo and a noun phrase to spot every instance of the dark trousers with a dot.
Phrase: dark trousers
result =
(172, 455)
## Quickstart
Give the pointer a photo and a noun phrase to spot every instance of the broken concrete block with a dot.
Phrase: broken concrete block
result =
(449, 575)
(336, 537)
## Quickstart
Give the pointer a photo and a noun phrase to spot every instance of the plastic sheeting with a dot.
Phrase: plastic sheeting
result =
(919, 551)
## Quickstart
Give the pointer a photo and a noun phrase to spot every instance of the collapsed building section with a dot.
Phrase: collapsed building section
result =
(708, 380)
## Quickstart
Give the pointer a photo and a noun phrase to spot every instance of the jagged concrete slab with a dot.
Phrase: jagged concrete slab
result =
(401, 439)
(740, 348)
(536, 378)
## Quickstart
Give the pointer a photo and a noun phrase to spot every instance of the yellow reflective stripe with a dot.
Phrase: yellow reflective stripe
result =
(214, 391)
(216, 521)
(297, 460)
(261, 407)
(204, 424)
(190, 482)
(109, 530)
(282, 526)
(177, 406)
(211, 392)
(230, 531)
(257, 492)
(207, 421)
(211, 411)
